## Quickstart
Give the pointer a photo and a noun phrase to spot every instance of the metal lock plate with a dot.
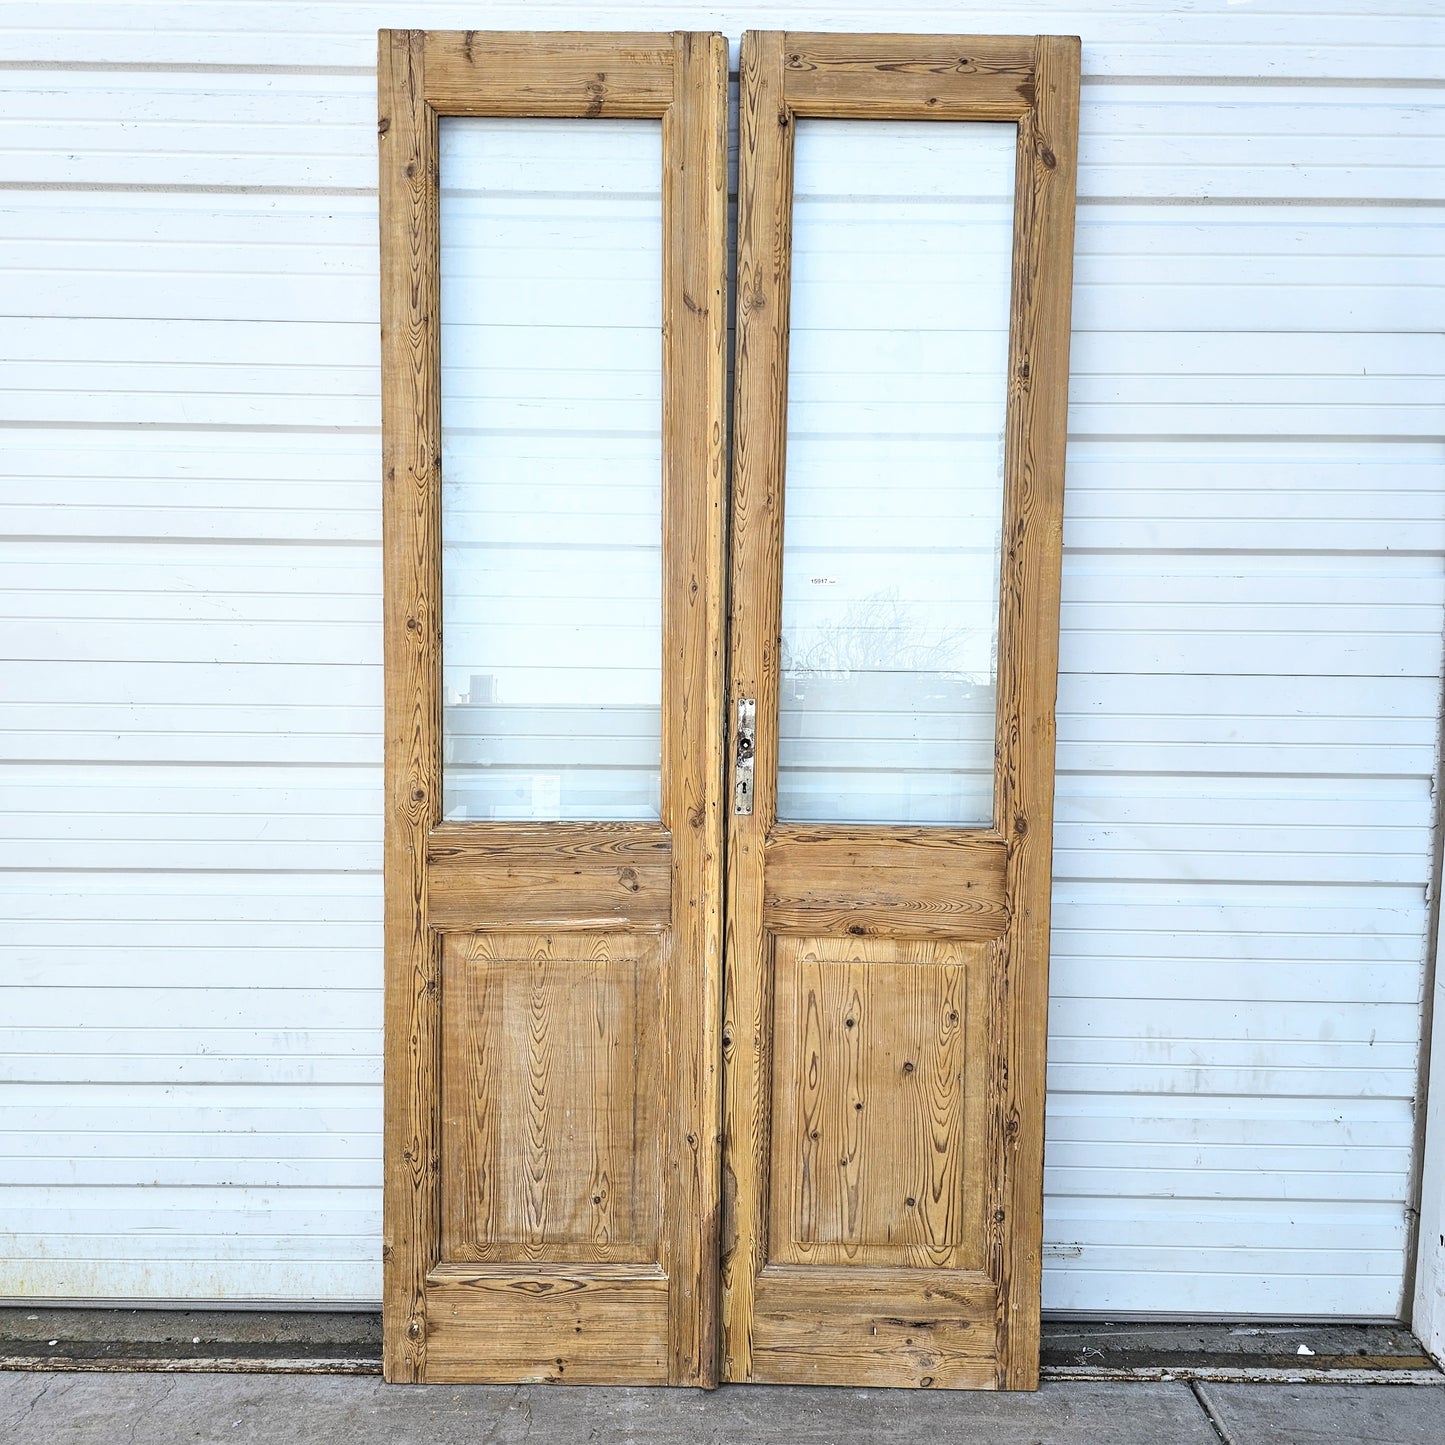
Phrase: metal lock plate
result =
(743, 762)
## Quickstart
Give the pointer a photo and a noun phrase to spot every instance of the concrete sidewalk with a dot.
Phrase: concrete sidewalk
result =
(135, 1408)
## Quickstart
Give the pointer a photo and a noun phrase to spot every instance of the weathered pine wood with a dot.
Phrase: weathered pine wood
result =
(411, 426)
(872, 1095)
(1028, 671)
(894, 929)
(872, 845)
(694, 633)
(833, 1325)
(562, 1325)
(595, 877)
(550, 1055)
(872, 886)
(909, 77)
(587, 843)
(560, 73)
(821, 906)
(765, 140)
(578, 1096)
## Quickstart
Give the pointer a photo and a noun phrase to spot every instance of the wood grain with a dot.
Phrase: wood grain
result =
(878, 883)
(909, 77)
(860, 920)
(580, 1097)
(892, 1327)
(1028, 670)
(602, 1325)
(694, 634)
(765, 139)
(551, 1061)
(559, 73)
(872, 1102)
(411, 428)
(577, 876)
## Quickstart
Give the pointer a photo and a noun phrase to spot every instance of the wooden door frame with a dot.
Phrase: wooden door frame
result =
(681, 79)
(1033, 82)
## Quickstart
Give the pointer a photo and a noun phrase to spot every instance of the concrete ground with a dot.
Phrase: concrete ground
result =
(73, 1376)
(152, 1408)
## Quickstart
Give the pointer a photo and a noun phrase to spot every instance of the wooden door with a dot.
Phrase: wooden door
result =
(893, 729)
(553, 927)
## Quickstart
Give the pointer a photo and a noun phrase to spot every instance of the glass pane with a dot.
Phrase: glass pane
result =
(902, 236)
(551, 306)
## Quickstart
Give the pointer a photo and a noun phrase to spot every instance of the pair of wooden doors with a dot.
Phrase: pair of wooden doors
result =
(718, 815)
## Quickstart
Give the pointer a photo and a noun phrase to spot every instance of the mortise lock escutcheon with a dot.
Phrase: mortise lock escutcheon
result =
(743, 762)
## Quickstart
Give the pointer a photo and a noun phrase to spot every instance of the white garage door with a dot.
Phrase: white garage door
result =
(190, 663)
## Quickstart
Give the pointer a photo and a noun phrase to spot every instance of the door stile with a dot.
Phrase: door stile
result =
(765, 149)
(411, 450)
(694, 639)
(1029, 597)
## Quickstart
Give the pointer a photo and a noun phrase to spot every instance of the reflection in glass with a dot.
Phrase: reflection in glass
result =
(902, 237)
(551, 286)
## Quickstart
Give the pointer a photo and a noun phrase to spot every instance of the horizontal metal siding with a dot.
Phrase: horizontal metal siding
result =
(190, 667)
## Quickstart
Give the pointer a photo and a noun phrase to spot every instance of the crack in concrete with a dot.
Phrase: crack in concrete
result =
(14, 1421)
(146, 1408)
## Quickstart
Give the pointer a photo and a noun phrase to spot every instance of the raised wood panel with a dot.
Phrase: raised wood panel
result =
(599, 1325)
(551, 1057)
(574, 876)
(866, 77)
(562, 73)
(885, 882)
(877, 1091)
(891, 1327)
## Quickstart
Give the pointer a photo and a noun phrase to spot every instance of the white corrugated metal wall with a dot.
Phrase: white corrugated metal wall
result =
(190, 667)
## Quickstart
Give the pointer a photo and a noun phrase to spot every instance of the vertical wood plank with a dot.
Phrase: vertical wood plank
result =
(411, 425)
(1028, 684)
(694, 638)
(765, 186)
